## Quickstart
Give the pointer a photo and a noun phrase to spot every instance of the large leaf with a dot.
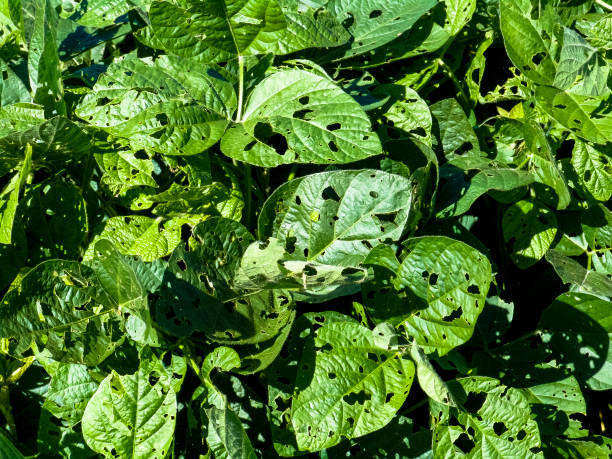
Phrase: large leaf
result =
(297, 116)
(374, 23)
(529, 229)
(525, 44)
(346, 385)
(7, 449)
(8, 206)
(587, 117)
(581, 70)
(221, 30)
(336, 218)
(61, 308)
(226, 436)
(446, 284)
(69, 391)
(131, 416)
(493, 422)
(578, 329)
(169, 106)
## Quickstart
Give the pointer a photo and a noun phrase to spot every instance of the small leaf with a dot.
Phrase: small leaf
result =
(529, 229)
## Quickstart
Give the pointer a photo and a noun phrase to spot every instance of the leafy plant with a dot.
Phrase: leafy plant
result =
(273, 228)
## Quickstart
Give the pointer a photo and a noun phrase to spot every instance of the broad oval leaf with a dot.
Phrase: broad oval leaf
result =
(374, 23)
(170, 106)
(337, 217)
(60, 307)
(494, 421)
(438, 294)
(131, 416)
(221, 30)
(296, 116)
(346, 385)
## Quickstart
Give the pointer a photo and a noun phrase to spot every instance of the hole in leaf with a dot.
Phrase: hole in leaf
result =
(334, 126)
(376, 13)
(499, 428)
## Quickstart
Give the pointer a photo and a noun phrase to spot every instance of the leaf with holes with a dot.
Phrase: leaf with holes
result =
(525, 43)
(170, 106)
(221, 30)
(337, 217)
(529, 229)
(593, 166)
(131, 416)
(346, 385)
(296, 116)
(62, 310)
(493, 421)
(149, 238)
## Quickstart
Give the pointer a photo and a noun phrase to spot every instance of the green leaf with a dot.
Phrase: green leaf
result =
(123, 170)
(43, 60)
(581, 69)
(529, 229)
(443, 284)
(7, 449)
(226, 436)
(586, 280)
(8, 207)
(149, 238)
(104, 13)
(503, 179)
(586, 117)
(593, 167)
(269, 266)
(170, 106)
(221, 30)
(578, 328)
(524, 41)
(428, 378)
(193, 202)
(564, 395)
(131, 416)
(70, 389)
(337, 217)
(55, 439)
(494, 422)
(55, 219)
(57, 142)
(454, 133)
(296, 116)
(375, 23)
(61, 309)
(346, 386)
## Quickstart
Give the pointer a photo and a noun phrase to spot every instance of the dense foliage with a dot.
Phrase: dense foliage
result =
(335, 228)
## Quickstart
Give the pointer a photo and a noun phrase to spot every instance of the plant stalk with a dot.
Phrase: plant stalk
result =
(5, 410)
(604, 4)
(240, 88)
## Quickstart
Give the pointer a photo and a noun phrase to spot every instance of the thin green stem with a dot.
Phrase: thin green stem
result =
(604, 4)
(416, 406)
(240, 88)
(589, 259)
(5, 410)
(249, 195)
(451, 74)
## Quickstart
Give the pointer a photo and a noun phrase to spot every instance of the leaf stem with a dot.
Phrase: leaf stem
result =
(240, 88)
(604, 4)
(5, 409)
(415, 407)
(448, 71)
(249, 197)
